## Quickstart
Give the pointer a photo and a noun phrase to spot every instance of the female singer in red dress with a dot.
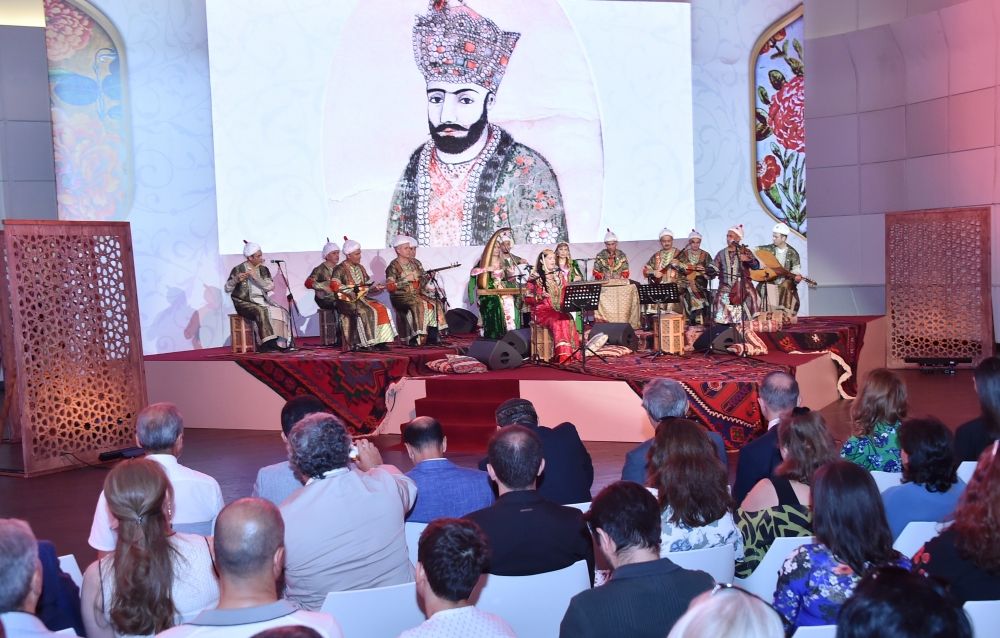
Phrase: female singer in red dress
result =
(544, 294)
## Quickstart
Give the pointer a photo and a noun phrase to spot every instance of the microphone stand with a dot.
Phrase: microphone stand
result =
(440, 302)
(291, 303)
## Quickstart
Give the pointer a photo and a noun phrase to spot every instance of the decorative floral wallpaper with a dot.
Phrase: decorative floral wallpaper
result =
(779, 121)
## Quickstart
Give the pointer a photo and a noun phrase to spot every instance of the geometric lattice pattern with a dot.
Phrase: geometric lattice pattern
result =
(937, 285)
(76, 346)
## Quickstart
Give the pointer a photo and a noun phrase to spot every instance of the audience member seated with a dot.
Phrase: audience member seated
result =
(894, 603)
(693, 491)
(663, 400)
(250, 557)
(930, 488)
(59, 605)
(877, 413)
(344, 527)
(779, 396)
(451, 556)
(528, 533)
(646, 594)
(853, 539)
(20, 580)
(276, 482)
(155, 578)
(973, 437)
(197, 498)
(730, 612)
(444, 490)
(779, 506)
(966, 556)
(569, 470)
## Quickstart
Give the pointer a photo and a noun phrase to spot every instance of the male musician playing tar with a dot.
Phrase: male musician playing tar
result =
(611, 263)
(249, 285)
(319, 279)
(698, 269)
(736, 301)
(782, 293)
(663, 268)
(405, 278)
(371, 325)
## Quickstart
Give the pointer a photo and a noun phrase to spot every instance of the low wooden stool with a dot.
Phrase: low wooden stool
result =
(241, 335)
(329, 326)
(541, 343)
(668, 333)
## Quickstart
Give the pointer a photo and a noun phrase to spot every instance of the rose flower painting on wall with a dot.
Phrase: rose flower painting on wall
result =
(778, 94)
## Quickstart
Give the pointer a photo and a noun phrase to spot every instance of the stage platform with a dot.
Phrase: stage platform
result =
(376, 392)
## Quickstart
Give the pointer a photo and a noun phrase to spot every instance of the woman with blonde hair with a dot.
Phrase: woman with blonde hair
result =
(877, 413)
(155, 578)
(731, 612)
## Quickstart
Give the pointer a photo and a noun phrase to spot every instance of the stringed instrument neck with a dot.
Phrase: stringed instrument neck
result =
(771, 269)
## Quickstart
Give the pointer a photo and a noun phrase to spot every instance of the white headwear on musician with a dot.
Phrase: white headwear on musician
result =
(401, 240)
(250, 248)
(695, 235)
(782, 229)
(666, 232)
(330, 247)
(610, 236)
(738, 229)
(350, 245)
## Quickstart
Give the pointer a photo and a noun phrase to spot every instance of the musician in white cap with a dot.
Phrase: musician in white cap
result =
(250, 285)
(696, 267)
(417, 314)
(781, 292)
(736, 300)
(611, 263)
(663, 268)
(370, 323)
(320, 277)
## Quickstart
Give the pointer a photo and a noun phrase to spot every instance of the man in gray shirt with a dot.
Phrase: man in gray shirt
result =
(276, 482)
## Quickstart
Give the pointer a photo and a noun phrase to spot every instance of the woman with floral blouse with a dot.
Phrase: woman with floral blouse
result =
(853, 538)
(877, 412)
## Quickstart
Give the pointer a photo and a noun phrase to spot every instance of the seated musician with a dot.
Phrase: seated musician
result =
(405, 278)
(544, 295)
(250, 285)
(370, 323)
(736, 300)
(502, 268)
(319, 280)
(781, 293)
(611, 263)
(698, 269)
(663, 268)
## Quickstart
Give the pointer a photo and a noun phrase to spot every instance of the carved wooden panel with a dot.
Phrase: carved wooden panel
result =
(76, 347)
(937, 276)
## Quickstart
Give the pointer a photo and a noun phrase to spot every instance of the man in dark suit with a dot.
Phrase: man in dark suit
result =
(528, 534)
(663, 400)
(569, 471)
(646, 594)
(779, 396)
(443, 488)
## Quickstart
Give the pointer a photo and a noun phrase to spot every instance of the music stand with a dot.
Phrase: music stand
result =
(582, 297)
(659, 294)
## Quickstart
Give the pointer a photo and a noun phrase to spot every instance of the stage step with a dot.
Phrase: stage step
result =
(466, 408)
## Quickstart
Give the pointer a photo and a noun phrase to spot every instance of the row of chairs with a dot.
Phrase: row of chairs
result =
(885, 480)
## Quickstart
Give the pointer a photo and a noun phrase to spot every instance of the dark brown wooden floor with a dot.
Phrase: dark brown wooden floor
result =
(60, 506)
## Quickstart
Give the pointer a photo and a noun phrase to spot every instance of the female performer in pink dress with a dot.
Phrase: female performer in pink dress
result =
(544, 294)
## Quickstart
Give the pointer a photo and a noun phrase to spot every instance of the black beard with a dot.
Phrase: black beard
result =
(452, 145)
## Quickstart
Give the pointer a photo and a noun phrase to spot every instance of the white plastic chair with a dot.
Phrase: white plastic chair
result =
(532, 605)
(382, 612)
(763, 579)
(69, 565)
(965, 470)
(984, 616)
(583, 507)
(914, 535)
(719, 562)
(413, 532)
(885, 480)
(816, 631)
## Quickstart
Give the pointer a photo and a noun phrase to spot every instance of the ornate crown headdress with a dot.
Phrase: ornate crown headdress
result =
(457, 45)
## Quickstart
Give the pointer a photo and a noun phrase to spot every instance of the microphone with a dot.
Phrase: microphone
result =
(277, 261)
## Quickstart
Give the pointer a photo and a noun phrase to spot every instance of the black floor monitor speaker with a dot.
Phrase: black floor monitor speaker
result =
(461, 321)
(520, 340)
(496, 354)
(720, 337)
(619, 334)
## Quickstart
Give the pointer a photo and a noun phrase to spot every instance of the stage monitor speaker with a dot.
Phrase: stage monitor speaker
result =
(619, 334)
(461, 321)
(721, 337)
(496, 354)
(520, 340)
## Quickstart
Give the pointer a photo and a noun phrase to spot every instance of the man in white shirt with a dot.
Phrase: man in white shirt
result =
(451, 556)
(197, 497)
(250, 557)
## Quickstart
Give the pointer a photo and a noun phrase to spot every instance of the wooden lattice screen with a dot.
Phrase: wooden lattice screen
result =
(937, 285)
(72, 350)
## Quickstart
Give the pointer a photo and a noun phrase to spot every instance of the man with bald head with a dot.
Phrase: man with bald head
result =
(250, 557)
(444, 490)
